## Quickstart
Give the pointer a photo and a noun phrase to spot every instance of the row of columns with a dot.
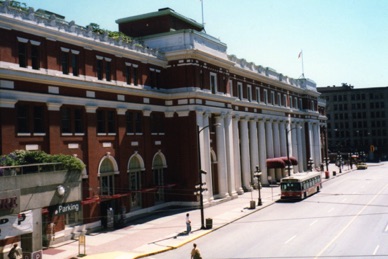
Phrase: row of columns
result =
(242, 142)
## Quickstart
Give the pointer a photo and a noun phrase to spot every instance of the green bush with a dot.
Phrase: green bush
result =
(23, 157)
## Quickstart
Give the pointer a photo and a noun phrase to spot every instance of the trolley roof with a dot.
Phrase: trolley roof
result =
(300, 177)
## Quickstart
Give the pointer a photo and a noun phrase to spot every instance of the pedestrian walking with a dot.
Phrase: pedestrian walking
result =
(14, 253)
(188, 224)
(195, 254)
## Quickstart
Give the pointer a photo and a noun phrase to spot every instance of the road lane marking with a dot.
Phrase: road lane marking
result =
(312, 223)
(386, 228)
(289, 240)
(349, 223)
(375, 251)
(330, 210)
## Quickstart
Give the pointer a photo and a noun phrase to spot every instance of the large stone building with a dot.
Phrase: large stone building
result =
(147, 111)
(357, 120)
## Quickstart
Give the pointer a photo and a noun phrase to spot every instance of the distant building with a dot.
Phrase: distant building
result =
(147, 109)
(357, 120)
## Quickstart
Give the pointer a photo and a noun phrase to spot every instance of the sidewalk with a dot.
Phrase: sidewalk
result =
(166, 232)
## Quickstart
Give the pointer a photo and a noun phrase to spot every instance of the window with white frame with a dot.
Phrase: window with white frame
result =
(107, 185)
(249, 93)
(230, 87)
(272, 101)
(296, 102)
(284, 100)
(258, 94)
(291, 102)
(265, 96)
(279, 99)
(70, 59)
(213, 82)
(239, 91)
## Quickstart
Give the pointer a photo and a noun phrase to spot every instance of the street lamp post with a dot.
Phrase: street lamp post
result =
(258, 175)
(199, 187)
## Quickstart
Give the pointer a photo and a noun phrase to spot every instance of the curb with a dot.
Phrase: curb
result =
(205, 233)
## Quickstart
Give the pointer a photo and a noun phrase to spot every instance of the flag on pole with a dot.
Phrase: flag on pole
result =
(300, 54)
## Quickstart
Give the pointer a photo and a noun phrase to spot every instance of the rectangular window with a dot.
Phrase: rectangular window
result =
(249, 93)
(30, 119)
(265, 96)
(134, 122)
(135, 75)
(65, 120)
(157, 123)
(108, 72)
(272, 101)
(72, 120)
(258, 94)
(22, 53)
(78, 121)
(75, 64)
(35, 59)
(39, 119)
(239, 91)
(231, 87)
(101, 122)
(291, 102)
(106, 122)
(213, 83)
(284, 100)
(111, 121)
(22, 119)
(65, 62)
(128, 72)
(99, 69)
(279, 99)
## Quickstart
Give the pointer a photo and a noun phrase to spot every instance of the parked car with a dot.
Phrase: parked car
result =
(362, 166)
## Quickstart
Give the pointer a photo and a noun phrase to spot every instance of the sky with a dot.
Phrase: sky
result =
(342, 41)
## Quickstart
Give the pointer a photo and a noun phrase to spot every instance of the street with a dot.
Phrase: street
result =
(348, 218)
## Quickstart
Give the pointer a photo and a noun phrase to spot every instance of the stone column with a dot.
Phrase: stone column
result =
(301, 144)
(263, 151)
(253, 144)
(221, 158)
(230, 154)
(295, 145)
(245, 165)
(204, 147)
(237, 156)
(270, 144)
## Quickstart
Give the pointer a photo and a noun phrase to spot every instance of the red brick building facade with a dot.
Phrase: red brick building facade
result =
(140, 114)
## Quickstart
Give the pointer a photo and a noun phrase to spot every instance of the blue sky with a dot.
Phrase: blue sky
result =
(343, 41)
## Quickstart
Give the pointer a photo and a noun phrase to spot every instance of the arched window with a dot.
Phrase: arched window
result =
(158, 165)
(135, 168)
(107, 169)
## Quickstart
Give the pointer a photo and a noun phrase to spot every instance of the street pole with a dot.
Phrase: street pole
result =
(200, 172)
(258, 175)
(288, 153)
(200, 179)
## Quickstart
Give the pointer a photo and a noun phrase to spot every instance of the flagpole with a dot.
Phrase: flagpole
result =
(301, 53)
(203, 19)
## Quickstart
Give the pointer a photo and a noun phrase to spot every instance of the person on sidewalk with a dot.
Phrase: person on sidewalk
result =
(14, 253)
(195, 254)
(188, 224)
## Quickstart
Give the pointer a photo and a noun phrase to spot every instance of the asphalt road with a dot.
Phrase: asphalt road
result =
(347, 219)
